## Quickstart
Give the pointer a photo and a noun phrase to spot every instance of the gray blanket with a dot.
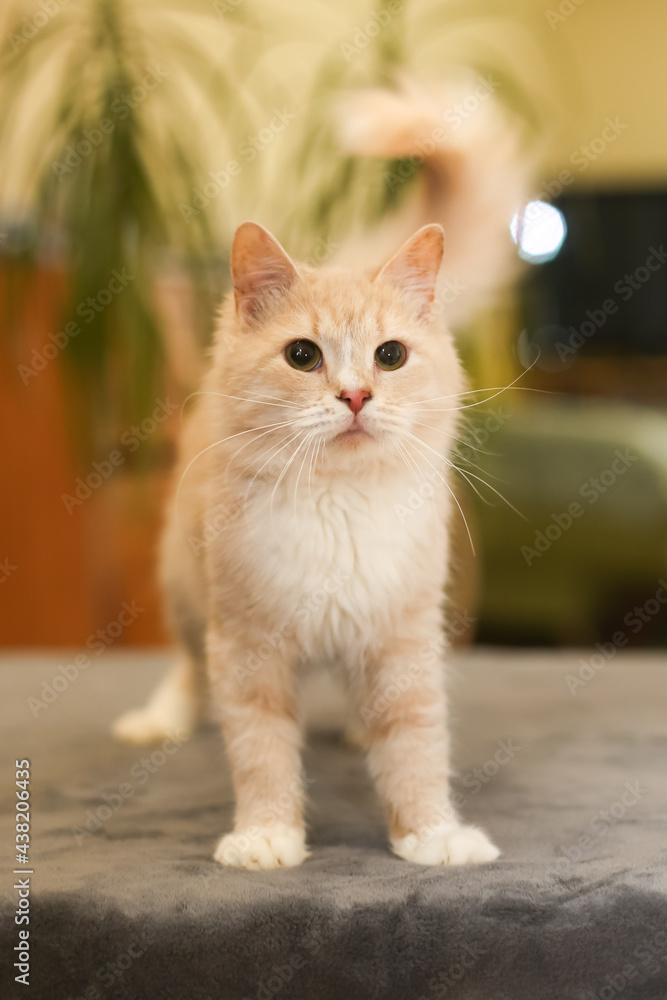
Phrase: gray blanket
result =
(570, 779)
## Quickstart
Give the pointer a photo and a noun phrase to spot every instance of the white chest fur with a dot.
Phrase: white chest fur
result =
(333, 564)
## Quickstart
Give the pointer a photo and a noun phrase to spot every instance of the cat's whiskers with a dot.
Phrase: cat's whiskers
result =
(309, 441)
(313, 463)
(274, 450)
(401, 453)
(305, 421)
(280, 399)
(252, 441)
(243, 399)
(496, 390)
(466, 473)
(448, 487)
(474, 465)
(472, 485)
(452, 437)
(412, 465)
(282, 475)
(475, 447)
(266, 428)
(454, 452)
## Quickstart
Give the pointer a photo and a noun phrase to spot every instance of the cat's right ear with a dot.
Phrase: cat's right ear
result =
(261, 271)
(414, 268)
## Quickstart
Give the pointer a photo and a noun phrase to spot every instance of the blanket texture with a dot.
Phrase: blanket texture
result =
(562, 758)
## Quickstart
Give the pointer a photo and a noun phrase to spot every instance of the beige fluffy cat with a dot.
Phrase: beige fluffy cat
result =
(331, 395)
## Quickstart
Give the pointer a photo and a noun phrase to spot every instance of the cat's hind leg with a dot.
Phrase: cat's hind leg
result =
(174, 707)
(178, 703)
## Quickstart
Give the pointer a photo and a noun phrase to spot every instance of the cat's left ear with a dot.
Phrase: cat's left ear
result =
(414, 268)
(261, 271)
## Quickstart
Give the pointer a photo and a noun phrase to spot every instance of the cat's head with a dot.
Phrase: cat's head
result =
(358, 362)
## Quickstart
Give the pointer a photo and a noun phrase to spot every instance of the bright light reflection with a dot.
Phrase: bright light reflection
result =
(538, 231)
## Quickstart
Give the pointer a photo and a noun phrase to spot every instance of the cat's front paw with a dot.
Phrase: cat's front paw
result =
(263, 848)
(455, 844)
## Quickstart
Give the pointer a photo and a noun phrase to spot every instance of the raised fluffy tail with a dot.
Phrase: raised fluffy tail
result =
(474, 178)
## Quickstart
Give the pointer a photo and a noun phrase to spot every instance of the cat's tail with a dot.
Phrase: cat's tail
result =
(474, 177)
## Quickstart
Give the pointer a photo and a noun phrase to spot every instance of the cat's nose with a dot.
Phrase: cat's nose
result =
(355, 398)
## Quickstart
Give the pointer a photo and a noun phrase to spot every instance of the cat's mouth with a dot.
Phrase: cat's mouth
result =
(353, 433)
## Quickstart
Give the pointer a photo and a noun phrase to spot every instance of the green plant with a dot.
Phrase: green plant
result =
(112, 113)
(106, 106)
(427, 38)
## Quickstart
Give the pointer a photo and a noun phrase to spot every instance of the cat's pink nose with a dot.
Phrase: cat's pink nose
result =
(355, 398)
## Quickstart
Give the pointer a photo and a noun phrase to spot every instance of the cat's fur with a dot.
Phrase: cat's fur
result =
(287, 542)
(308, 556)
(474, 172)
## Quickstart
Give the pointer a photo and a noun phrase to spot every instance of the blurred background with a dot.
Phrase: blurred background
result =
(135, 135)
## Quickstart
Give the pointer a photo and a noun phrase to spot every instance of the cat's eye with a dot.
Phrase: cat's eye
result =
(304, 355)
(391, 355)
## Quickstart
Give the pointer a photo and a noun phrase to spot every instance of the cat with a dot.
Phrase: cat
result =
(286, 539)
(331, 395)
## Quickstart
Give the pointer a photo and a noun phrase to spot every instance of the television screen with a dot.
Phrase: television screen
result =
(605, 291)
